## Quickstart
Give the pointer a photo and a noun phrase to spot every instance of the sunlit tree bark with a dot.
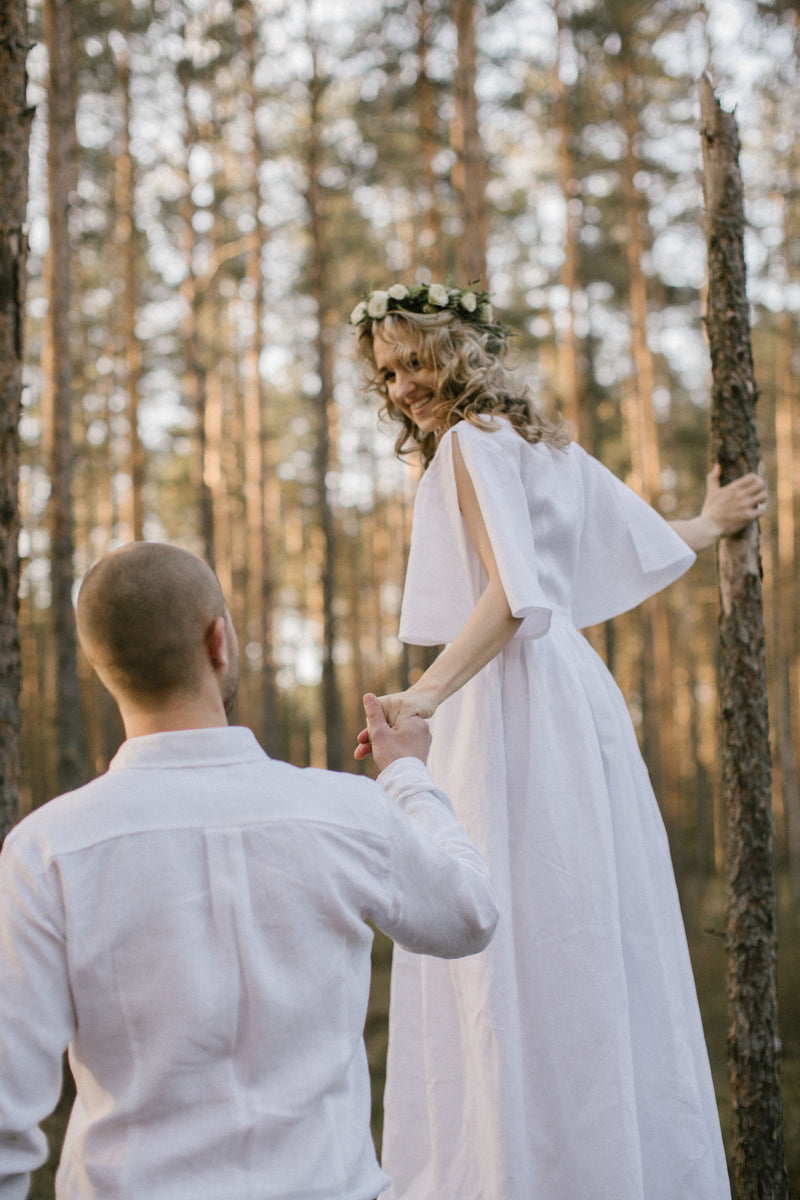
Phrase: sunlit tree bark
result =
(127, 239)
(195, 381)
(753, 1038)
(61, 161)
(569, 383)
(785, 592)
(327, 320)
(645, 457)
(431, 234)
(15, 122)
(469, 172)
(261, 515)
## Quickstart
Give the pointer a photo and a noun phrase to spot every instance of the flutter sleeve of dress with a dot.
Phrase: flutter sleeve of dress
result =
(602, 549)
(444, 577)
(627, 553)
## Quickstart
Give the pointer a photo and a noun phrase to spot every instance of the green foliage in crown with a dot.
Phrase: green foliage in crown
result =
(469, 303)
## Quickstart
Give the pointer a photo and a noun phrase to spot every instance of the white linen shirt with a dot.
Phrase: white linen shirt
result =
(192, 924)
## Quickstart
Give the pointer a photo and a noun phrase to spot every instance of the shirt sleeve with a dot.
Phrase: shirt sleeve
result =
(444, 577)
(627, 551)
(441, 898)
(36, 1014)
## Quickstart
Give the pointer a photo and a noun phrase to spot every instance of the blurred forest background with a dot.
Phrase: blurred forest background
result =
(216, 183)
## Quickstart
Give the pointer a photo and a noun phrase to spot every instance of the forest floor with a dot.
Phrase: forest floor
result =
(704, 910)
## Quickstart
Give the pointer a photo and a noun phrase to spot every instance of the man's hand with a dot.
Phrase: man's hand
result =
(410, 738)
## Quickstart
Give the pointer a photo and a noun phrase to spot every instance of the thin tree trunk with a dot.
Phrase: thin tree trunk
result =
(431, 234)
(785, 595)
(260, 517)
(645, 457)
(569, 384)
(127, 240)
(469, 173)
(61, 159)
(319, 272)
(15, 124)
(754, 1045)
(195, 371)
(642, 425)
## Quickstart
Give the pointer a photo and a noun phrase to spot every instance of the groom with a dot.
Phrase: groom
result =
(192, 925)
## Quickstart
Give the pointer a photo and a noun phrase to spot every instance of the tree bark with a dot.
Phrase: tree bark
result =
(260, 516)
(327, 319)
(754, 1045)
(785, 657)
(570, 384)
(61, 160)
(195, 380)
(431, 233)
(15, 124)
(126, 237)
(469, 173)
(659, 742)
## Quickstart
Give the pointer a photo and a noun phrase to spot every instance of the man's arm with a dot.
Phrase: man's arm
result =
(36, 1018)
(442, 899)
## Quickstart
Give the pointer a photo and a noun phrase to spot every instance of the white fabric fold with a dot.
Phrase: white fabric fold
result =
(606, 575)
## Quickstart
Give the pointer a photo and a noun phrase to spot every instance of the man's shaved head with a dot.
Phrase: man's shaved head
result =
(144, 612)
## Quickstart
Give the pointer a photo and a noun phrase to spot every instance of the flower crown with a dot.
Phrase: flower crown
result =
(469, 304)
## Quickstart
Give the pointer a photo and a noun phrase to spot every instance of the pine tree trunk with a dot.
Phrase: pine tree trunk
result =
(260, 518)
(645, 456)
(126, 238)
(195, 382)
(753, 1039)
(319, 273)
(568, 350)
(785, 595)
(61, 160)
(15, 123)
(431, 234)
(469, 173)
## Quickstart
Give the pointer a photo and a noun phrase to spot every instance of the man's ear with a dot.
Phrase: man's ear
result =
(216, 643)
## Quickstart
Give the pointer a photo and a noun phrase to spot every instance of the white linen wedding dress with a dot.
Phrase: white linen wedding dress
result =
(566, 1061)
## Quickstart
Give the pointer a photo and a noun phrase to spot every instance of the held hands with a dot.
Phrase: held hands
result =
(406, 736)
(399, 706)
(728, 509)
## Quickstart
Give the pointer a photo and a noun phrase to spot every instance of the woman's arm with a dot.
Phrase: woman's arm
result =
(726, 510)
(488, 629)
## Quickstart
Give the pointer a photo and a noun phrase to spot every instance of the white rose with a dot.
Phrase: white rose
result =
(469, 301)
(358, 313)
(486, 314)
(438, 295)
(398, 291)
(378, 305)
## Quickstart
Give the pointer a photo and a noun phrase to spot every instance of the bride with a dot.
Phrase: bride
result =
(567, 1061)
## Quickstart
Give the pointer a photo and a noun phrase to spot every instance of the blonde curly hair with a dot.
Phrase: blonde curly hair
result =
(472, 378)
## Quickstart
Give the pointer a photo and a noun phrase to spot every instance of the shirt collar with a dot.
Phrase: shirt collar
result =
(189, 747)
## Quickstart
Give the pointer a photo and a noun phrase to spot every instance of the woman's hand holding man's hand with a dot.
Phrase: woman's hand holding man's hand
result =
(396, 709)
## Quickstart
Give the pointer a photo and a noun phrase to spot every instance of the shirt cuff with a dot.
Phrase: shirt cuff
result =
(406, 773)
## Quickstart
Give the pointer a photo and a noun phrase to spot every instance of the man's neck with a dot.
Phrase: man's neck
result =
(171, 717)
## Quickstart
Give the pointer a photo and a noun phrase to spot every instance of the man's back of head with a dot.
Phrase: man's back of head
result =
(145, 615)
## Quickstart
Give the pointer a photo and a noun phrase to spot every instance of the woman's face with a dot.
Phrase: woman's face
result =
(411, 388)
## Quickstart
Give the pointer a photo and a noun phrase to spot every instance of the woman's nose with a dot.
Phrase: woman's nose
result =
(402, 384)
